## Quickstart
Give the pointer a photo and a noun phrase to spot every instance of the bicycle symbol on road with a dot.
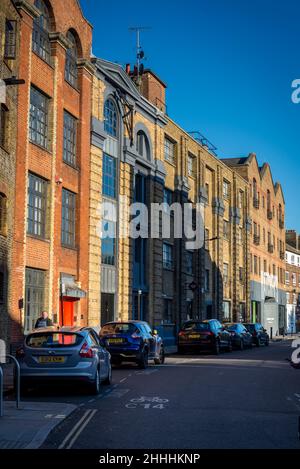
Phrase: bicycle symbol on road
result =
(155, 402)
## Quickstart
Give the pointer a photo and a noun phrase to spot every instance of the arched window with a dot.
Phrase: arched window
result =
(3, 214)
(71, 73)
(41, 29)
(110, 118)
(142, 145)
(3, 125)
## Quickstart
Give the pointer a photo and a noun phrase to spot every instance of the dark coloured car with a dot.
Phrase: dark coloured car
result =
(240, 336)
(132, 341)
(259, 334)
(66, 354)
(207, 335)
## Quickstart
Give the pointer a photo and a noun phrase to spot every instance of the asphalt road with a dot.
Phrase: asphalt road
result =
(248, 399)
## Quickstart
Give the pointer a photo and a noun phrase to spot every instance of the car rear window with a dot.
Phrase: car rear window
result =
(57, 339)
(232, 327)
(119, 328)
(196, 326)
(250, 327)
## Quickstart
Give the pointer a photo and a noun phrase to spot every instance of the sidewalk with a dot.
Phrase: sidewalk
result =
(278, 338)
(29, 426)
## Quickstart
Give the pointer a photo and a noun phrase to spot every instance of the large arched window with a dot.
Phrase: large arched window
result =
(142, 145)
(110, 118)
(3, 214)
(71, 73)
(41, 29)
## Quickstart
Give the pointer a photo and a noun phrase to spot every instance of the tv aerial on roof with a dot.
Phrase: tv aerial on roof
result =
(140, 54)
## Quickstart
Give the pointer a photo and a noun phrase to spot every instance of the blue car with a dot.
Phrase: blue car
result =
(132, 341)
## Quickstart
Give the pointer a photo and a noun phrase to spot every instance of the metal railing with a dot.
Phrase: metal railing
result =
(17, 382)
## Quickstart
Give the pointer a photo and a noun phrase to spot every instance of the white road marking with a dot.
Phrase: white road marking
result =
(74, 429)
(122, 380)
(80, 430)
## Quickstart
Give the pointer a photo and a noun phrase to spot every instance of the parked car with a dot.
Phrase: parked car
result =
(259, 334)
(240, 336)
(69, 353)
(204, 335)
(132, 341)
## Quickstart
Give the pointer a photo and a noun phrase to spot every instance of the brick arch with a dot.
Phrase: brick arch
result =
(48, 4)
(77, 40)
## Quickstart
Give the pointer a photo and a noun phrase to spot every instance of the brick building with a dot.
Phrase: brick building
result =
(50, 243)
(9, 67)
(148, 158)
(267, 243)
(292, 281)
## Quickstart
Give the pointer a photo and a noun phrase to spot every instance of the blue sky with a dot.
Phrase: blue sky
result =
(228, 64)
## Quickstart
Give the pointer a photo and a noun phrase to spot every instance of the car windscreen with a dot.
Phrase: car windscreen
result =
(250, 327)
(118, 328)
(56, 339)
(196, 326)
(233, 327)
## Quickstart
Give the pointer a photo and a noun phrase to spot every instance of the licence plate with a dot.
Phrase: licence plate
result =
(115, 341)
(51, 359)
(194, 336)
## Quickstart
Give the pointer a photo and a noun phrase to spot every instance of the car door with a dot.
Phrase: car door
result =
(151, 339)
(99, 351)
(220, 333)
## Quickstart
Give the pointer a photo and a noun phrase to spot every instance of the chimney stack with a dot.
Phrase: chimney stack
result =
(127, 69)
(153, 89)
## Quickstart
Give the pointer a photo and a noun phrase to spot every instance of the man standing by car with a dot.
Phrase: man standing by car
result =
(43, 321)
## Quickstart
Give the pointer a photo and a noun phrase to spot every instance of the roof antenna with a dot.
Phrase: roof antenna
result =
(140, 54)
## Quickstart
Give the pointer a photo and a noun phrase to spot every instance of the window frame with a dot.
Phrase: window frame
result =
(169, 156)
(39, 104)
(109, 176)
(41, 196)
(40, 32)
(168, 257)
(10, 42)
(70, 139)
(111, 119)
(68, 218)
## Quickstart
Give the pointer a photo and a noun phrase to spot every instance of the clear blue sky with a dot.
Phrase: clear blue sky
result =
(228, 65)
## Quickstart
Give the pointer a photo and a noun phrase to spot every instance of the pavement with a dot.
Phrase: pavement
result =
(244, 399)
(29, 426)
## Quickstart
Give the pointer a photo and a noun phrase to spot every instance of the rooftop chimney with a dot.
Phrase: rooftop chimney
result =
(153, 89)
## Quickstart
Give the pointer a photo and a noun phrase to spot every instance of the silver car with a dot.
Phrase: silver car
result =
(71, 353)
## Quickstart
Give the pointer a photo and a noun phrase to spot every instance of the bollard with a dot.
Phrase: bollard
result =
(18, 378)
(1, 391)
(271, 333)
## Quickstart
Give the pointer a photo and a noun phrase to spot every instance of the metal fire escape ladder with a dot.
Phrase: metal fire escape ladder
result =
(127, 112)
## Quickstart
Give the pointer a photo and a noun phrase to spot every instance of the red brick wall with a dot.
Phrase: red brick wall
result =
(49, 164)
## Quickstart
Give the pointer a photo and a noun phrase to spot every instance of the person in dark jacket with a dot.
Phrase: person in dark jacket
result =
(43, 321)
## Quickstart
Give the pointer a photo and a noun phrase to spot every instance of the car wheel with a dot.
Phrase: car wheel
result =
(108, 379)
(267, 342)
(143, 362)
(242, 345)
(217, 347)
(95, 386)
(257, 343)
(229, 347)
(161, 359)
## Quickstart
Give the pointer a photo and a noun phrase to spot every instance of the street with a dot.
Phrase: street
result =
(248, 399)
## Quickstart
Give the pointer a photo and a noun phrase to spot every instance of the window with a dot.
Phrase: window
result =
(265, 266)
(71, 74)
(287, 278)
(3, 214)
(110, 118)
(109, 176)
(225, 273)
(191, 165)
(168, 197)
(108, 242)
(240, 239)
(206, 239)
(226, 189)
(36, 206)
(240, 200)
(255, 266)
(38, 119)
(142, 145)
(241, 274)
(226, 229)
(206, 280)
(1, 287)
(207, 192)
(68, 218)
(70, 137)
(10, 39)
(40, 32)
(3, 125)
(167, 311)
(34, 296)
(167, 256)
(169, 148)
(294, 278)
(189, 263)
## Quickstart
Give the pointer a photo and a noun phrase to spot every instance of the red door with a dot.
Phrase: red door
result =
(67, 311)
